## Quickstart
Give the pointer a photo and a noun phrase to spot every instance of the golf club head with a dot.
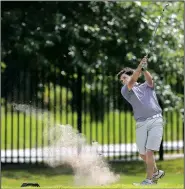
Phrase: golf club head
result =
(165, 6)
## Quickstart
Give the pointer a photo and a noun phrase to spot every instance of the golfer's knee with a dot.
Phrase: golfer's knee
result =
(149, 152)
(149, 155)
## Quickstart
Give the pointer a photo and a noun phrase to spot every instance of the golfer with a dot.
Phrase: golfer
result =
(148, 116)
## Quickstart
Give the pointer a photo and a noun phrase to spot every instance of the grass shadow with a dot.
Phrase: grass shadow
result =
(9, 170)
(25, 170)
(128, 168)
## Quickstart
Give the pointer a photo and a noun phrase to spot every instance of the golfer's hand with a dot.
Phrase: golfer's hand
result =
(143, 63)
(144, 60)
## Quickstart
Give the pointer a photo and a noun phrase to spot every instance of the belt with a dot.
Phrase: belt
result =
(155, 116)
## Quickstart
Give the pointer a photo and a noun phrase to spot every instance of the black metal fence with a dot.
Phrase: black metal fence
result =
(32, 102)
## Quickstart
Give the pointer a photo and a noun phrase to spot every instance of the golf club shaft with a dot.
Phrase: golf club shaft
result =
(154, 33)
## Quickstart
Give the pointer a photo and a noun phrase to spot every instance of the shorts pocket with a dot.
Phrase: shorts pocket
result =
(139, 124)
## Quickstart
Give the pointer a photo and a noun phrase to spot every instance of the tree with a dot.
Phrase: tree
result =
(62, 37)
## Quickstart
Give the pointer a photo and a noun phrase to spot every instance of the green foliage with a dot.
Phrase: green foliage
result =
(3, 66)
(95, 36)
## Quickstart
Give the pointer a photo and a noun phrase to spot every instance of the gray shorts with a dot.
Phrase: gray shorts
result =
(149, 134)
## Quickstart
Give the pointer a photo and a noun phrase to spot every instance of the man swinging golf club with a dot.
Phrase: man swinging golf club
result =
(148, 116)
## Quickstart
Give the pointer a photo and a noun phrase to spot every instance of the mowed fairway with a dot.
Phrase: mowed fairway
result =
(21, 130)
(13, 177)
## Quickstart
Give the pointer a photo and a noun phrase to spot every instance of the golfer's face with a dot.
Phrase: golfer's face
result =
(124, 78)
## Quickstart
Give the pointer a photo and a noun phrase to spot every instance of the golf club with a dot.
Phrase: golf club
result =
(154, 33)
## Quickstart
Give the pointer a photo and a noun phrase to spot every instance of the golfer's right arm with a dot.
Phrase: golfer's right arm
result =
(135, 75)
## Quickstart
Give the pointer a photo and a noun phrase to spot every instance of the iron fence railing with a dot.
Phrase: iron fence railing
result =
(32, 102)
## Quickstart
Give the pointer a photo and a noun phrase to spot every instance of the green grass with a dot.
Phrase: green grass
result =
(24, 130)
(13, 177)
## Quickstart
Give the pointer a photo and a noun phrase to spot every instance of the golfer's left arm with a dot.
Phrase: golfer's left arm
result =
(148, 78)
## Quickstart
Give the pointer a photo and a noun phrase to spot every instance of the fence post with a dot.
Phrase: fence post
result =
(183, 133)
(79, 106)
(161, 151)
(79, 101)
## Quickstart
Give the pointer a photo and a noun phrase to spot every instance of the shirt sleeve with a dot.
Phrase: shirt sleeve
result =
(125, 92)
(146, 83)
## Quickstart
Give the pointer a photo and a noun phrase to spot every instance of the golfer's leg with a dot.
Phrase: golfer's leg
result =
(144, 159)
(150, 162)
(155, 166)
(153, 144)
